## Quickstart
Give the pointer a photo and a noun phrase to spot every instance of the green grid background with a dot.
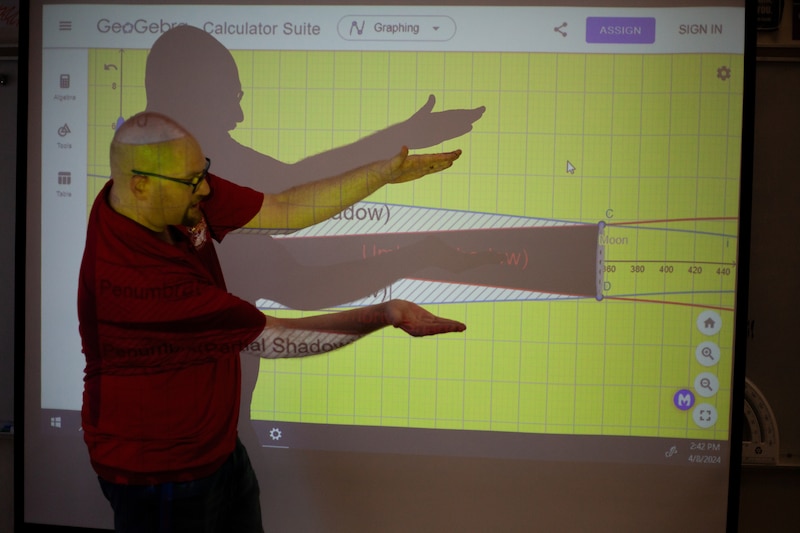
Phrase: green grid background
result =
(655, 142)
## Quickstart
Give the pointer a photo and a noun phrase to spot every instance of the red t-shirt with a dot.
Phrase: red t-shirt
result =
(162, 337)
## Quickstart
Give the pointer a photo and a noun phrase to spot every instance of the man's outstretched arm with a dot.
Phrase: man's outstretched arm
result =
(310, 203)
(328, 332)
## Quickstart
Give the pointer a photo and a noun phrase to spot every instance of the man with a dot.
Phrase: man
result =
(162, 336)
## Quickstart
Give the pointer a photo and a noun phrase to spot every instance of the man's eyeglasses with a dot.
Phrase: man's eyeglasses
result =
(193, 182)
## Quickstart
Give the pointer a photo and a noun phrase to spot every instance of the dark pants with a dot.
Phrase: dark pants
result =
(226, 501)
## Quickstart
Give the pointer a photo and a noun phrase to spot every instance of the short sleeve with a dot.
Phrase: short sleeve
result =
(229, 206)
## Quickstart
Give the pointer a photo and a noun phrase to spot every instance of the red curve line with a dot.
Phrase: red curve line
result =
(668, 220)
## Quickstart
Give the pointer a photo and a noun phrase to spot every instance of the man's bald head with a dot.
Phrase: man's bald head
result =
(149, 153)
(147, 128)
(151, 142)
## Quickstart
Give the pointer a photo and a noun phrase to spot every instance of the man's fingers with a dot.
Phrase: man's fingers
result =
(416, 166)
(417, 321)
(434, 326)
(401, 156)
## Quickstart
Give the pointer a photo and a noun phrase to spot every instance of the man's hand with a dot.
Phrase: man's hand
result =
(418, 322)
(406, 167)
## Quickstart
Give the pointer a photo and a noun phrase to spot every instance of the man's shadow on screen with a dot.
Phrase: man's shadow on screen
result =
(193, 78)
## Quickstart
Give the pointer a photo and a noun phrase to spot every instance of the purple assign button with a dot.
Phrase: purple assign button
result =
(621, 30)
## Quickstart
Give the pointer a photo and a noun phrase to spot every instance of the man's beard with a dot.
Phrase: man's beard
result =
(192, 217)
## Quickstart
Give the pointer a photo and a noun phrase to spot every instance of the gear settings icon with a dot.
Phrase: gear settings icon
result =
(275, 434)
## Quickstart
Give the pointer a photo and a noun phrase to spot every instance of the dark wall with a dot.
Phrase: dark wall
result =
(8, 136)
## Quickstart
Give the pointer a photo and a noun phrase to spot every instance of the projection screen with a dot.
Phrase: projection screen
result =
(597, 385)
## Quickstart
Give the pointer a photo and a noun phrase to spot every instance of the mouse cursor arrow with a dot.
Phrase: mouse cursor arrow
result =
(570, 168)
